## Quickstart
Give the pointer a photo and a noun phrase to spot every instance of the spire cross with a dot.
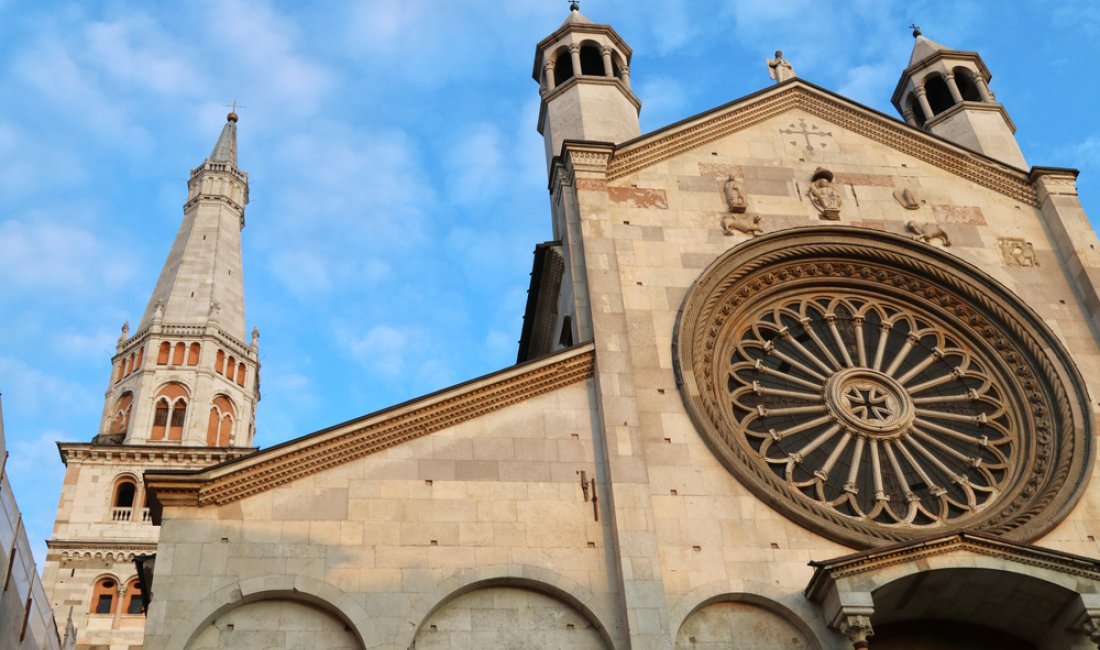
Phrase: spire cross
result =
(574, 5)
(234, 106)
(916, 29)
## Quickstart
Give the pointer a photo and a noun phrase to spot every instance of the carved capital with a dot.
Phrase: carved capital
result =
(858, 629)
(575, 48)
(919, 91)
(606, 50)
(549, 65)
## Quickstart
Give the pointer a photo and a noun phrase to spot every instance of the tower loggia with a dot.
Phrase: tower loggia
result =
(182, 395)
(946, 92)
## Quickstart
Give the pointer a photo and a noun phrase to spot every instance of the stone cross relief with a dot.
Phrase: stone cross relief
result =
(806, 131)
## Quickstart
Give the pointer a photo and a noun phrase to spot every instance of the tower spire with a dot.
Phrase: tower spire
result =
(225, 150)
(189, 357)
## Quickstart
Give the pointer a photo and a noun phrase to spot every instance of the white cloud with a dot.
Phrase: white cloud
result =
(41, 254)
(382, 348)
(477, 164)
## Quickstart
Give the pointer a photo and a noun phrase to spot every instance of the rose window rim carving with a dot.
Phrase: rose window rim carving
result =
(1032, 401)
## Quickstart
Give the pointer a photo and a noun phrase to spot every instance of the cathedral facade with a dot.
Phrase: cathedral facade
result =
(793, 374)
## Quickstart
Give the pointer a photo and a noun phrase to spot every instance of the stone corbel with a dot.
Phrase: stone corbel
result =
(850, 612)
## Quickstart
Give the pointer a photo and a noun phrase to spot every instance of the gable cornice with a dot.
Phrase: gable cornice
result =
(637, 154)
(368, 435)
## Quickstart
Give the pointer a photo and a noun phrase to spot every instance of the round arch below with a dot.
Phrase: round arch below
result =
(308, 591)
(794, 614)
(527, 578)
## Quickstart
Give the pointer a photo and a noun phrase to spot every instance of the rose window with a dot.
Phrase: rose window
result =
(875, 389)
(871, 410)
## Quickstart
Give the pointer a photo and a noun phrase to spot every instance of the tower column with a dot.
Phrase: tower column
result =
(983, 89)
(953, 87)
(625, 72)
(608, 68)
(922, 98)
(549, 82)
(910, 119)
(575, 57)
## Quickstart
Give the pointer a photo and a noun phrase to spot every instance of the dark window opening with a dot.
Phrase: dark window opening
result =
(967, 88)
(939, 97)
(125, 496)
(563, 69)
(591, 61)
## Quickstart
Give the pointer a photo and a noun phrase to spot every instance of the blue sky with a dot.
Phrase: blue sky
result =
(397, 180)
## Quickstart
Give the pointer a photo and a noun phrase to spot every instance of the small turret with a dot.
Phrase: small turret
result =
(583, 70)
(946, 92)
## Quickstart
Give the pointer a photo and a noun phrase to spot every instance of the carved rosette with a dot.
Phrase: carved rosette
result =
(877, 390)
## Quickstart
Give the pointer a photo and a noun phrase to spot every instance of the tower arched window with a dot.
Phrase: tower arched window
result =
(170, 412)
(240, 374)
(939, 97)
(131, 598)
(104, 595)
(219, 362)
(163, 353)
(964, 79)
(123, 499)
(193, 355)
(591, 61)
(120, 416)
(563, 67)
(177, 354)
(231, 368)
(219, 428)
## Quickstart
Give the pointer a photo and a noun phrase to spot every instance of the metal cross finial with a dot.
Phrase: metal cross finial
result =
(234, 106)
(574, 5)
(916, 29)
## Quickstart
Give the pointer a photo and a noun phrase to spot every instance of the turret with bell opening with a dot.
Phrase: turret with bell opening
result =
(583, 70)
(946, 92)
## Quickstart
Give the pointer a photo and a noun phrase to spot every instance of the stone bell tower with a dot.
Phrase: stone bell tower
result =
(182, 395)
(946, 92)
(583, 70)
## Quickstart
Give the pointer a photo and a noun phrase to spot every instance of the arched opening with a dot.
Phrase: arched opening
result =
(179, 413)
(300, 624)
(219, 362)
(140, 357)
(170, 412)
(591, 61)
(162, 354)
(219, 428)
(939, 97)
(231, 368)
(616, 65)
(120, 418)
(124, 494)
(753, 620)
(915, 109)
(130, 363)
(969, 609)
(193, 355)
(964, 79)
(563, 67)
(103, 596)
(177, 355)
(131, 599)
(240, 374)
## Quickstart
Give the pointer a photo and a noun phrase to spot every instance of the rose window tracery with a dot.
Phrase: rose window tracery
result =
(871, 410)
(877, 390)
